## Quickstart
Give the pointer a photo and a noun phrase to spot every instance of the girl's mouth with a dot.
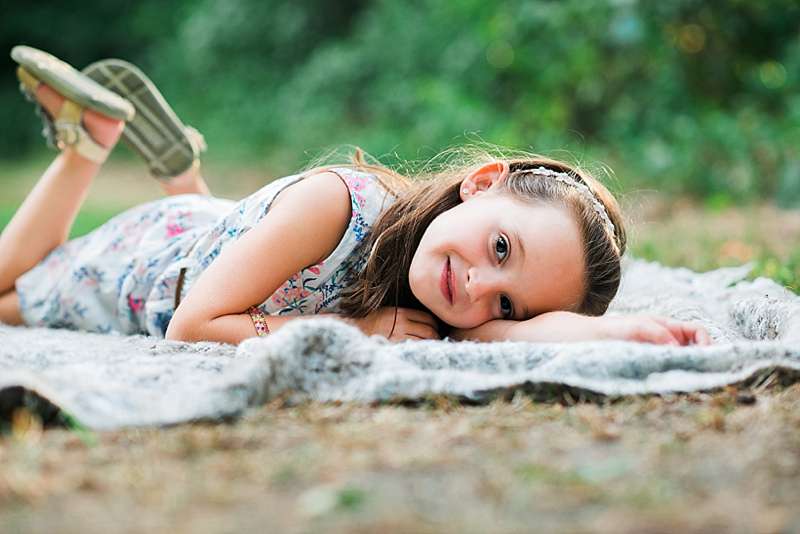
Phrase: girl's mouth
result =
(445, 282)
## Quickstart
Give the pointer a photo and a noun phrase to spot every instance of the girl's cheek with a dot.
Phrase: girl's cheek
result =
(476, 317)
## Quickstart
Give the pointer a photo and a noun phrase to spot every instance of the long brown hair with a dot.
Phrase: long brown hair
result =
(396, 234)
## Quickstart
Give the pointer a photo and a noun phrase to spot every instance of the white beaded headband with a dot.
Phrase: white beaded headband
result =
(584, 190)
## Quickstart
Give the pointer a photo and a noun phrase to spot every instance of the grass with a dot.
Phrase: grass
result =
(86, 221)
(122, 183)
(706, 462)
(681, 232)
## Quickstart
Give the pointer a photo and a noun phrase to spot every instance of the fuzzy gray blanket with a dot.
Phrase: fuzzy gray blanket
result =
(106, 381)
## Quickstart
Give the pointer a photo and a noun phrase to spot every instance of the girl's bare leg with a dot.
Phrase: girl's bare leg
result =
(190, 181)
(9, 309)
(44, 219)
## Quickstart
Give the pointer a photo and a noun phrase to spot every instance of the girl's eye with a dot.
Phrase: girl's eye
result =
(506, 307)
(501, 247)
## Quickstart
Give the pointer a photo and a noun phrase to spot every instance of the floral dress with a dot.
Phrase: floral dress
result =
(125, 275)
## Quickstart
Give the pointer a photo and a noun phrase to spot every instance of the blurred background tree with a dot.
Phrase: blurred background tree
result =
(686, 96)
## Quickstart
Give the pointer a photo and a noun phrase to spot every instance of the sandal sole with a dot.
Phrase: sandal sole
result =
(155, 133)
(71, 84)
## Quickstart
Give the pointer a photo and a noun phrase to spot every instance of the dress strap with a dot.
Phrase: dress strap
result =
(179, 287)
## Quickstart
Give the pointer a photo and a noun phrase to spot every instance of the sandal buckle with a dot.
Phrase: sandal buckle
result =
(67, 134)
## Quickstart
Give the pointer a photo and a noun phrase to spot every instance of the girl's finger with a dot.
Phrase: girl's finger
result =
(419, 316)
(702, 337)
(657, 333)
(422, 331)
(686, 332)
(692, 333)
(683, 331)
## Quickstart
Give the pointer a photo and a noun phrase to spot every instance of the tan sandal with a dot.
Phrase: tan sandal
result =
(79, 92)
(167, 145)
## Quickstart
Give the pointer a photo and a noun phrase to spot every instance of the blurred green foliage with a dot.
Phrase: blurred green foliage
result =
(684, 96)
(785, 272)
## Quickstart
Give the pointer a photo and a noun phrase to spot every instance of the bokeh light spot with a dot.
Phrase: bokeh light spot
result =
(772, 74)
(692, 38)
(500, 54)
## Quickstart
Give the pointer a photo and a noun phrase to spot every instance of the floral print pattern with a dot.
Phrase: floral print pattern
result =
(123, 276)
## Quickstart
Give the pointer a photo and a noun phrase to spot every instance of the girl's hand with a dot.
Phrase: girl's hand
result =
(652, 329)
(563, 326)
(398, 324)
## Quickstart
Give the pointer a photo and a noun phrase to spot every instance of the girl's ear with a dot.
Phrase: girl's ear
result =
(483, 179)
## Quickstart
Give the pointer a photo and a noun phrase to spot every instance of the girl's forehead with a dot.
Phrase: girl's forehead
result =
(509, 207)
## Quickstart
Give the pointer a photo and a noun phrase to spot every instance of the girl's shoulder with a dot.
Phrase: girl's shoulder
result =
(368, 194)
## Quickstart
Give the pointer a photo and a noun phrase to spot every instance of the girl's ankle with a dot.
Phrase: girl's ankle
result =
(104, 130)
(190, 181)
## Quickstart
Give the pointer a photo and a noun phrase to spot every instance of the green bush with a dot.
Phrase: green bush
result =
(683, 96)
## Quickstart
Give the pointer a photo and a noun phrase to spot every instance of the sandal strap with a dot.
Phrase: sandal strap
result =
(196, 139)
(67, 129)
(28, 82)
(71, 133)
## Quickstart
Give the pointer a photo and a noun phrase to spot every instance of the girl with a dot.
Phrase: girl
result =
(499, 249)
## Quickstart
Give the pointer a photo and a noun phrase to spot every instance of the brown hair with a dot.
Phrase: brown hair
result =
(396, 234)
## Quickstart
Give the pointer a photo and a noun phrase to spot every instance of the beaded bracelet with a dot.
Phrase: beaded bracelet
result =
(259, 321)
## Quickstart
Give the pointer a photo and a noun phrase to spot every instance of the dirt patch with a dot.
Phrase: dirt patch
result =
(702, 462)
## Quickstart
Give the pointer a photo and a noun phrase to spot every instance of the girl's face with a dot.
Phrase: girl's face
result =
(496, 257)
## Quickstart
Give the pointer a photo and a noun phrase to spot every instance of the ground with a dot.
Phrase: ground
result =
(727, 461)
(721, 461)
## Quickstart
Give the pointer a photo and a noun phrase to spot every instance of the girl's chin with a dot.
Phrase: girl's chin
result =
(443, 313)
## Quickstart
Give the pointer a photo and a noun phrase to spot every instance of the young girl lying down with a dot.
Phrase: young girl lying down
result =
(501, 249)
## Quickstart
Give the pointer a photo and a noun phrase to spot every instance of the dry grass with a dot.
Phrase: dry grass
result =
(682, 233)
(702, 462)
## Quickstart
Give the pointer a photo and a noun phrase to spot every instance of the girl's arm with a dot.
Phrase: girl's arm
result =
(303, 226)
(568, 326)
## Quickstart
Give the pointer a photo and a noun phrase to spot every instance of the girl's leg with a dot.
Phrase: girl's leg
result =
(191, 181)
(44, 219)
(9, 309)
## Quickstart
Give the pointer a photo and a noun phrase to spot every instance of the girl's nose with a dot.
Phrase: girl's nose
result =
(481, 282)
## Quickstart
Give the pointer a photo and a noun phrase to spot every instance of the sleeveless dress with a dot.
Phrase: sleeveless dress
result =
(123, 276)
